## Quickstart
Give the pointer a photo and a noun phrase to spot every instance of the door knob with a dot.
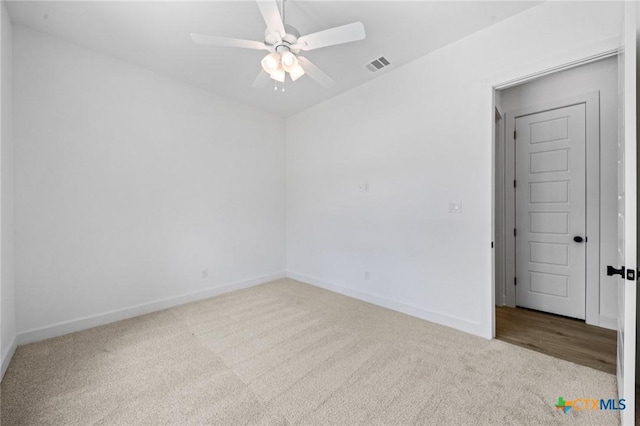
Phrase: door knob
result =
(578, 239)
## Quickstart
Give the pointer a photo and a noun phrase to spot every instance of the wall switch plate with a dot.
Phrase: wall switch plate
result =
(455, 206)
(363, 187)
(366, 275)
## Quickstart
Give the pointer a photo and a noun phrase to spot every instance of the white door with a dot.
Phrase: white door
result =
(551, 210)
(627, 199)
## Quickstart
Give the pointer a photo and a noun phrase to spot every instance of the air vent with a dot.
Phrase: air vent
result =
(378, 64)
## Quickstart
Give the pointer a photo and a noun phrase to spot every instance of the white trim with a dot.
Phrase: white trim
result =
(508, 212)
(608, 322)
(67, 327)
(521, 80)
(499, 274)
(627, 242)
(594, 219)
(405, 308)
(6, 358)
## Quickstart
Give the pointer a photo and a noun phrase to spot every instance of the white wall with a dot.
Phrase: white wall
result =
(7, 289)
(128, 185)
(599, 76)
(421, 136)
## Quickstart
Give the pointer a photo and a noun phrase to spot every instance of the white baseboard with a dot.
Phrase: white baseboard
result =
(608, 322)
(461, 324)
(67, 327)
(6, 357)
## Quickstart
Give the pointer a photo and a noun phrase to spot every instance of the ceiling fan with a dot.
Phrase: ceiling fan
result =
(284, 43)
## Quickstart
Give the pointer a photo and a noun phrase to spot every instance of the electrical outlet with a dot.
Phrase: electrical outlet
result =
(366, 275)
(205, 273)
(363, 187)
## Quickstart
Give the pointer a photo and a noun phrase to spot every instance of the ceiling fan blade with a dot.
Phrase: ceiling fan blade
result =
(271, 15)
(228, 42)
(262, 80)
(315, 73)
(338, 35)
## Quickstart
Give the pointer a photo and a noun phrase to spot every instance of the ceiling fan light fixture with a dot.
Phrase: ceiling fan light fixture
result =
(296, 72)
(271, 62)
(278, 74)
(288, 60)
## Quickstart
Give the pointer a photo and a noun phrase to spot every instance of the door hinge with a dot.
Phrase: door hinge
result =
(514, 183)
(514, 135)
(515, 281)
(515, 232)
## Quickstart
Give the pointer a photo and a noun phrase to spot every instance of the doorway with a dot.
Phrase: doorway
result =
(556, 205)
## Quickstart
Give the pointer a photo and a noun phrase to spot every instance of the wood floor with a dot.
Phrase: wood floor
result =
(558, 336)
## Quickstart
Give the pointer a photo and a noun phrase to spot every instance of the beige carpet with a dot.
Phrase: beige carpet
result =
(288, 353)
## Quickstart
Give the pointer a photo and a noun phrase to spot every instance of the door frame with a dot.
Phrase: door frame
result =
(587, 54)
(592, 153)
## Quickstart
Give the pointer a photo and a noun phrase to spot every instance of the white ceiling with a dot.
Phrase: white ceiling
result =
(155, 35)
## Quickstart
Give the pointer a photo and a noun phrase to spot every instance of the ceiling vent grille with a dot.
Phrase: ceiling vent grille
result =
(378, 64)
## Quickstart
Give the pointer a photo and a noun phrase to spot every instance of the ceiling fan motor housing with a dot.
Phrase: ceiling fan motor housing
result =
(286, 42)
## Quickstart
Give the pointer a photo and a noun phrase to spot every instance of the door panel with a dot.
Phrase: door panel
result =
(550, 210)
(550, 192)
(627, 211)
(549, 161)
